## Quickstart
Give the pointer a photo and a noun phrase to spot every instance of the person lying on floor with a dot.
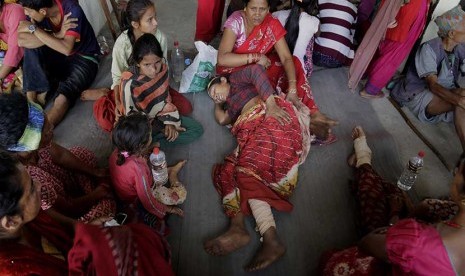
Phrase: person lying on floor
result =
(32, 243)
(139, 17)
(254, 36)
(73, 187)
(145, 88)
(132, 177)
(430, 89)
(410, 246)
(61, 54)
(273, 140)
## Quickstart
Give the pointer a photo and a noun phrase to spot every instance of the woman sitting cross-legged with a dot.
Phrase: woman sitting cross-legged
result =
(261, 173)
(145, 88)
(32, 243)
(253, 36)
(408, 246)
(73, 187)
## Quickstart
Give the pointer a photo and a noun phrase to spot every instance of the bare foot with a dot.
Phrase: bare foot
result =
(94, 93)
(272, 249)
(357, 132)
(173, 173)
(236, 237)
(320, 125)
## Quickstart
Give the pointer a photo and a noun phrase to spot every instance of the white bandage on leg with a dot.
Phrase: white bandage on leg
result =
(261, 211)
(362, 151)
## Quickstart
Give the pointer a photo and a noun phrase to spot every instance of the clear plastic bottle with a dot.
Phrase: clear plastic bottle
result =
(177, 62)
(410, 173)
(159, 167)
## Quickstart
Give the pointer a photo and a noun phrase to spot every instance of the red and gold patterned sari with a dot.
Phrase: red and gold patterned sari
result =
(262, 40)
(265, 163)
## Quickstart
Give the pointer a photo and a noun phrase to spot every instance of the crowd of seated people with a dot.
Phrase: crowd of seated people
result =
(61, 213)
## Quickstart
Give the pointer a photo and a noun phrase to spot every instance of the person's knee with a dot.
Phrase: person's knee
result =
(257, 69)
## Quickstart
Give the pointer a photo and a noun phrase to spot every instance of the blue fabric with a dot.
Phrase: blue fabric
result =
(30, 140)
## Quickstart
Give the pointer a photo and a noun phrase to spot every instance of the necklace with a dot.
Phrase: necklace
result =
(453, 224)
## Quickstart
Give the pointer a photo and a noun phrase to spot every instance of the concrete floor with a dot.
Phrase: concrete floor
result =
(323, 217)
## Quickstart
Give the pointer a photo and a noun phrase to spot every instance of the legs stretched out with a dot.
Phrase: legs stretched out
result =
(233, 239)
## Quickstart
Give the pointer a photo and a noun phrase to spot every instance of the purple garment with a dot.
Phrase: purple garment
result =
(365, 8)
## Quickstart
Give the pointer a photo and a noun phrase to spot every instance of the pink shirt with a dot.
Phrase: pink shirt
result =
(415, 248)
(10, 16)
(133, 181)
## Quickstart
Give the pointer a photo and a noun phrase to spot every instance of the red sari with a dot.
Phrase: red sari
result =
(124, 250)
(262, 40)
(265, 163)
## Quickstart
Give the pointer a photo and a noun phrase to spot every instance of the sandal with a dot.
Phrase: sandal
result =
(324, 142)
(362, 151)
(366, 95)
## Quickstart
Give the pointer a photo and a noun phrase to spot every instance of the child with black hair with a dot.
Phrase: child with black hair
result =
(131, 175)
(145, 88)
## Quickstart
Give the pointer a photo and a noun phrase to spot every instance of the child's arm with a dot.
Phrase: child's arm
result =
(221, 115)
(143, 182)
(63, 157)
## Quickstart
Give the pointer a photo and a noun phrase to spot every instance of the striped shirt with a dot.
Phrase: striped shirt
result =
(337, 18)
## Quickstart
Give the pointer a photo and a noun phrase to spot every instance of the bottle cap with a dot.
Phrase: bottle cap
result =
(421, 153)
(187, 61)
(176, 43)
(156, 150)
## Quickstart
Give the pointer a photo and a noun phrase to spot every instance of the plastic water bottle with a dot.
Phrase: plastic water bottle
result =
(159, 167)
(177, 62)
(410, 173)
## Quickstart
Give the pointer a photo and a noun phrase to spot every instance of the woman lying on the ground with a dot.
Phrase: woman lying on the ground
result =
(412, 247)
(145, 88)
(253, 36)
(273, 140)
(10, 16)
(73, 187)
(139, 17)
(301, 28)
(32, 243)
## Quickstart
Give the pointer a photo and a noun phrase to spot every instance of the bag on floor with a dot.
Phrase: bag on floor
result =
(196, 77)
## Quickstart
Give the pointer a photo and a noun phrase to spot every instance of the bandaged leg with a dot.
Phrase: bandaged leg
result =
(362, 151)
(261, 211)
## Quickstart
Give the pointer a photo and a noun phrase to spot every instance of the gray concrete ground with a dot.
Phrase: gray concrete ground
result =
(324, 214)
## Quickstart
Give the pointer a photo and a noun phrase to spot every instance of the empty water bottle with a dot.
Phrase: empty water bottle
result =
(159, 167)
(410, 173)
(177, 62)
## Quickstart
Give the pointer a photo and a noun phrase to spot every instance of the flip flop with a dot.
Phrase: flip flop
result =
(324, 142)
(367, 95)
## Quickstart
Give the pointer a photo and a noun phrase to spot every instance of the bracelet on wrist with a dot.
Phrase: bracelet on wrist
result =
(293, 81)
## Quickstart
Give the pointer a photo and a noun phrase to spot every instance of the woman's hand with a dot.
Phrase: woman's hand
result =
(264, 61)
(175, 210)
(100, 221)
(273, 110)
(101, 191)
(100, 172)
(68, 23)
(172, 132)
(392, 25)
(294, 99)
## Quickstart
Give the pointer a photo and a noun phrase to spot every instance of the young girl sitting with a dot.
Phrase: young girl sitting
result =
(145, 88)
(132, 177)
